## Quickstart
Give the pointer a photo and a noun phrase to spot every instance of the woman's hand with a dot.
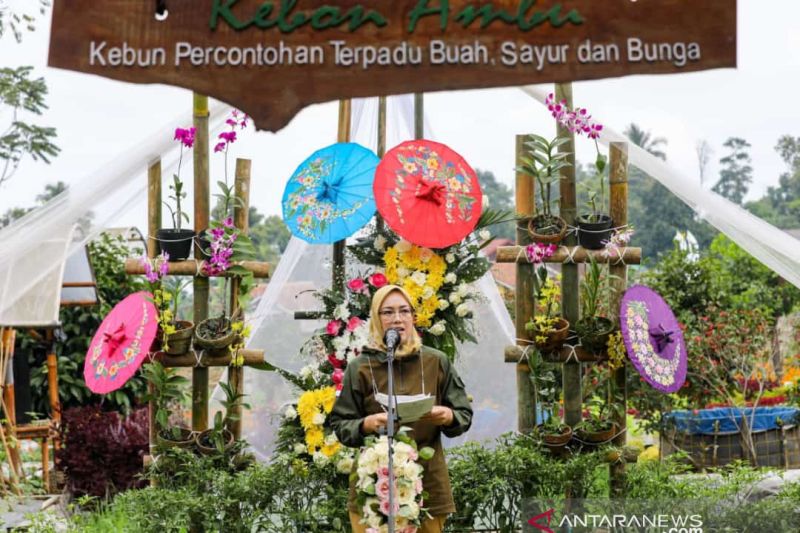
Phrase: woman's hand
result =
(439, 416)
(373, 423)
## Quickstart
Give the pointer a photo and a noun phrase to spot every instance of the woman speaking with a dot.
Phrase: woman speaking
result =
(417, 370)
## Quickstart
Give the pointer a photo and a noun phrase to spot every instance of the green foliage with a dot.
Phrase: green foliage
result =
(168, 388)
(21, 94)
(79, 325)
(737, 173)
(781, 205)
(18, 22)
(178, 215)
(543, 161)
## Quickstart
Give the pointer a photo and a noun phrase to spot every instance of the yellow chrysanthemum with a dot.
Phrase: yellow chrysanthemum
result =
(327, 397)
(329, 450)
(315, 437)
(307, 407)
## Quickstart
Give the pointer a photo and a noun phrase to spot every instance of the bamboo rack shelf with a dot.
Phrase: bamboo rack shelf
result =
(515, 354)
(571, 255)
(193, 267)
(194, 360)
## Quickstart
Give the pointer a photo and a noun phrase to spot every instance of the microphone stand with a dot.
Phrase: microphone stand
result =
(390, 431)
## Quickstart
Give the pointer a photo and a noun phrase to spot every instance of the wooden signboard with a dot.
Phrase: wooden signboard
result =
(272, 58)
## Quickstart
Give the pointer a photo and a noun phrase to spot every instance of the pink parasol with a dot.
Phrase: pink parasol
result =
(653, 338)
(121, 343)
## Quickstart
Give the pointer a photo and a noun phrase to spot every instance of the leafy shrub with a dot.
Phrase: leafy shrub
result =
(102, 451)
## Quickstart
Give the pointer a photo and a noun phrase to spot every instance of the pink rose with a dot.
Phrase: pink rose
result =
(337, 376)
(382, 489)
(334, 327)
(333, 360)
(384, 506)
(357, 285)
(383, 471)
(377, 280)
(353, 323)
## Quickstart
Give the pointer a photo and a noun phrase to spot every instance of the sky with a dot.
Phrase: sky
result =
(99, 119)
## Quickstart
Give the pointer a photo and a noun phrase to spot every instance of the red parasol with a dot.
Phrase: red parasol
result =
(121, 343)
(427, 194)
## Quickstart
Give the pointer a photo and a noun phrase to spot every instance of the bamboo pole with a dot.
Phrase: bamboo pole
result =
(207, 360)
(200, 285)
(571, 375)
(571, 254)
(153, 224)
(192, 267)
(618, 203)
(379, 223)
(419, 116)
(240, 220)
(342, 136)
(523, 301)
(6, 349)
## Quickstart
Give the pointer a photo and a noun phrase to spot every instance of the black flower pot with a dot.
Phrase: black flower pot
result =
(177, 243)
(593, 230)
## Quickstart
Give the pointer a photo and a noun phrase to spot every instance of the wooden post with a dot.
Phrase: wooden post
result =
(379, 224)
(200, 285)
(569, 273)
(523, 301)
(618, 203)
(419, 116)
(240, 220)
(153, 225)
(343, 136)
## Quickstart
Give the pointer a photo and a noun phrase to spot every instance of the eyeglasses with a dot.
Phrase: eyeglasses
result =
(388, 314)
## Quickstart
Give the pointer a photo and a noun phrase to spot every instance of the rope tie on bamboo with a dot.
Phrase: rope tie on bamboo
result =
(571, 251)
(198, 356)
(573, 355)
(524, 356)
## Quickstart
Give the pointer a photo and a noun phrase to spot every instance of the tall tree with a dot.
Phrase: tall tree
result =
(781, 204)
(500, 196)
(737, 173)
(654, 211)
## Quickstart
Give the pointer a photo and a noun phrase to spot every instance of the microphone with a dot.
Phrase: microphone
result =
(391, 338)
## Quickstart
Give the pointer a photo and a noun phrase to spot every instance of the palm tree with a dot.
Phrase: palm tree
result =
(645, 140)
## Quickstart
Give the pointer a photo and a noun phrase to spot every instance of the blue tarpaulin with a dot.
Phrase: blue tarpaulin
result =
(704, 421)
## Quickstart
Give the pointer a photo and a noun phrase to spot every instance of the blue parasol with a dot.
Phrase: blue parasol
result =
(329, 197)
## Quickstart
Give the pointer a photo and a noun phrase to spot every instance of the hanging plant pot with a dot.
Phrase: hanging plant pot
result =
(598, 436)
(593, 230)
(554, 339)
(177, 243)
(179, 342)
(214, 334)
(180, 437)
(547, 229)
(202, 243)
(205, 442)
(594, 333)
(555, 439)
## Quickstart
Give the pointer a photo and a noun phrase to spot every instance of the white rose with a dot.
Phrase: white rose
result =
(443, 304)
(419, 278)
(425, 255)
(331, 439)
(462, 310)
(290, 413)
(345, 465)
(428, 292)
(403, 272)
(403, 246)
(484, 234)
(299, 448)
(412, 471)
(380, 243)
(373, 520)
(450, 278)
(341, 312)
(320, 458)
(450, 258)
(405, 494)
(413, 510)
(437, 329)
(463, 290)
(307, 371)
(318, 419)
(455, 299)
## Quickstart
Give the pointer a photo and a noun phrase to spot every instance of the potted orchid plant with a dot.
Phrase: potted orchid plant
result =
(167, 389)
(592, 328)
(544, 162)
(177, 241)
(553, 432)
(547, 329)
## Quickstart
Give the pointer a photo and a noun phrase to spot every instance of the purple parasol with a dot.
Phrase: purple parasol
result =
(653, 338)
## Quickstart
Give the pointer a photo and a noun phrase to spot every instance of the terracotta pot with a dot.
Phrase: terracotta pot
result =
(555, 339)
(537, 222)
(220, 343)
(185, 440)
(180, 341)
(206, 446)
(555, 440)
(597, 340)
(598, 437)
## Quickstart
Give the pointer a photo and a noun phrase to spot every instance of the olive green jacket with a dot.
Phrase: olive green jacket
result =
(357, 400)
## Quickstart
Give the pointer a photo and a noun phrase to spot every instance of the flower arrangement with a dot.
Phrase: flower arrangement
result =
(313, 408)
(372, 485)
(421, 273)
